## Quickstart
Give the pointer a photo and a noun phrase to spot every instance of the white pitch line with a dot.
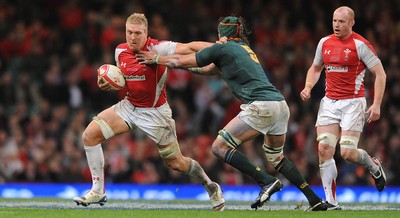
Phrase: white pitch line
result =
(177, 206)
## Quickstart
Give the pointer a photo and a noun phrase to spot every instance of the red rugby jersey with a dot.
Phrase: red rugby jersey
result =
(145, 83)
(345, 63)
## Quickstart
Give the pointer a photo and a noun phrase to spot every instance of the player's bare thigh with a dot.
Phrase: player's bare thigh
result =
(331, 128)
(239, 130)
(275, 141)
(93, 135)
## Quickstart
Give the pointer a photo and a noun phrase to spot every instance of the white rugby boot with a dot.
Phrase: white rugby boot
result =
(216, 198)
(91, 197)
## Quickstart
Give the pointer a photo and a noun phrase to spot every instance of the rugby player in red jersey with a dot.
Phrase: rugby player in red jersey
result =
(145, 107)
(346, 57)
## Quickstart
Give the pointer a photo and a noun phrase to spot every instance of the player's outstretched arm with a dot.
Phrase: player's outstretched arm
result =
(177, 61)
(208, 70)
(172, 61)
(191, 47)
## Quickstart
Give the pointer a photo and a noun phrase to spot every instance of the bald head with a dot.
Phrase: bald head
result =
(342, 22)
(345, 9)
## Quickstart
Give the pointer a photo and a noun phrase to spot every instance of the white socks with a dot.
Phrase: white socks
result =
(198, 174)
(365, 160)
(328, 174)
(95, 159)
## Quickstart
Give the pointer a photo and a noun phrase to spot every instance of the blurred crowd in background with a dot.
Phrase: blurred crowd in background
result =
(50, 51)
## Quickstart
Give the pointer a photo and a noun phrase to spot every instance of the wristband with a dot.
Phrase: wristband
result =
(196, 70)
(155, 59)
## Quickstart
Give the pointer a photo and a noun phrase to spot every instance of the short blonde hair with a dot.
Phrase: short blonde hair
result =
(137, 18)
(349, 11)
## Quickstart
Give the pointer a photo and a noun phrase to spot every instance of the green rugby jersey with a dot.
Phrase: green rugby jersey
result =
(241, 70)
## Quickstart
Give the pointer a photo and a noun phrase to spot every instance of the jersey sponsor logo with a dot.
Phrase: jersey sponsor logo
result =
(135, 78)
(338, 69)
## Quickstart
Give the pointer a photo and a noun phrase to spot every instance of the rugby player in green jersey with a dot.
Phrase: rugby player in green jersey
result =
(264, 109)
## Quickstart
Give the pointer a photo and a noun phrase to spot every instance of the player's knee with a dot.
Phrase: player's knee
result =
(219, 148)
(169, 151)
(346, 155)
(228, 138)
(173, 164)
(325, 152)
(105, 128)
(85, 137)
(327, 138)
(215, 149)
(178, 163)
(91, 136)
(348, 148)
(349, 142)
(273, 155)
(349, 155)
(326, 145)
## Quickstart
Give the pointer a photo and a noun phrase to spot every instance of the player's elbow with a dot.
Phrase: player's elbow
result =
(383, 75)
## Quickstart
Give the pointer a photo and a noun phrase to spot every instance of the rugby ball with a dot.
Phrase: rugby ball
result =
(113, 75)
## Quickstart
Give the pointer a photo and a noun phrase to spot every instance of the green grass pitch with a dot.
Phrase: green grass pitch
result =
(54, 208)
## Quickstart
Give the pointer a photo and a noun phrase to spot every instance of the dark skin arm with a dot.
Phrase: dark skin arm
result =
(183, 58)
(177, 61)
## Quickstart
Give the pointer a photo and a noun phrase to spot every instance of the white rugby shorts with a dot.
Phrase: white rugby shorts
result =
(349, 113)
(267, 117)
(157, 122)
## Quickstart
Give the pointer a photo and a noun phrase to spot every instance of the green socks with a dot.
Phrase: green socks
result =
(290, 171)
(239, 161)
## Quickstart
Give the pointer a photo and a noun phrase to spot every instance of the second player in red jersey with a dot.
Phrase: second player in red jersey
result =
(347, 57)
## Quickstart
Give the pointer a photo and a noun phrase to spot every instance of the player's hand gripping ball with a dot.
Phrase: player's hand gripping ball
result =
(112, 75)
